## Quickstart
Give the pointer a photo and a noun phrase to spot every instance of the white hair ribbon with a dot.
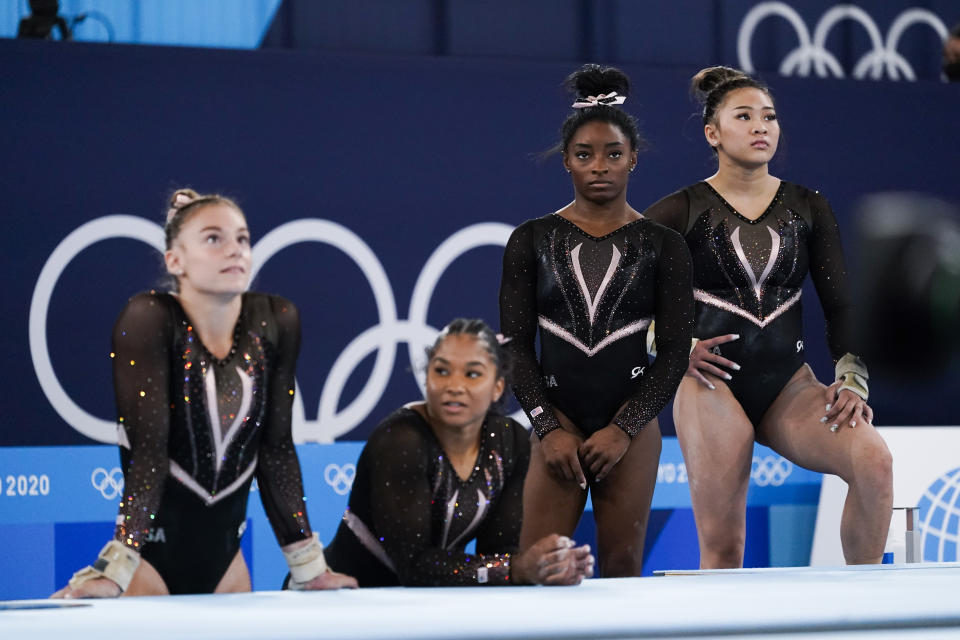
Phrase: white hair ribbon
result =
(594, 101)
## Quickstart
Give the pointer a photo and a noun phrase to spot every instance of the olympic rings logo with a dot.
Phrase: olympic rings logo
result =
(340, 478)
(383, 337)
(108, 483)
(811, 52)
(770, 471)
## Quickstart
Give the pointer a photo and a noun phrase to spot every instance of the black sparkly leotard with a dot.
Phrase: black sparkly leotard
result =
(194, 430)
(748, 277)
(410, 515)
(593, 299)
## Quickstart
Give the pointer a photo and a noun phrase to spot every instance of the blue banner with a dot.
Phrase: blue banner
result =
(58, 505)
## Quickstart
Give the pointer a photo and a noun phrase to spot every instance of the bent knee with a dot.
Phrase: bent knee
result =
(873, 463)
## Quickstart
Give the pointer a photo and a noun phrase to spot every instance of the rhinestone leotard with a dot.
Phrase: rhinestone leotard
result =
(593, 300)
(410, 515)
(195, 430)
(748, 277)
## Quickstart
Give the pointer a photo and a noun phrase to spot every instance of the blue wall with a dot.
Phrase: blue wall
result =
(399, 154)
(660, 34)
(903, 36)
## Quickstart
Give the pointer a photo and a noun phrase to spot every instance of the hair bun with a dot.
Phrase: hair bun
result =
(710, 78)
(593, 80)
(180, 199)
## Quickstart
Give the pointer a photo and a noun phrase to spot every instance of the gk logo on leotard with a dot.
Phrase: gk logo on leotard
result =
(811, 52)
(799, 346)
(382, 337)
(108, 483)
(340, 478)
(770, 470)
(637, 371)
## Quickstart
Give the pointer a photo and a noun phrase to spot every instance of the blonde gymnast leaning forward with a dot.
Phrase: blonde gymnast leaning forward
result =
(753, 239)
(204, 380)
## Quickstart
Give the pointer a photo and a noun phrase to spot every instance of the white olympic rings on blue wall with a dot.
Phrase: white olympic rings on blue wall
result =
(382, 337)
(811, 53)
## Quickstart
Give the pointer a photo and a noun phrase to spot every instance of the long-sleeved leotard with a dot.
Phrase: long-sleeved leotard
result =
(194, 430)
(593, 299)
(748, 277)
(410, 515)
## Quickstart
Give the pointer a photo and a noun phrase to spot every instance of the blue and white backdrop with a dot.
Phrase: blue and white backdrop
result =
(380, 190)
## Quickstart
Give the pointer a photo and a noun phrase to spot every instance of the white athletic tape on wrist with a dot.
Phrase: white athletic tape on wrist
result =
(306, 563)
(652, 340)
(116, 562)
(851, 370)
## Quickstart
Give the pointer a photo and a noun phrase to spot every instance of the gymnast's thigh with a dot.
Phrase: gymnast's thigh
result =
(716, 439)
(146, 581)
(550, 505)
(792, 428)
(621, 505)
(237, 577)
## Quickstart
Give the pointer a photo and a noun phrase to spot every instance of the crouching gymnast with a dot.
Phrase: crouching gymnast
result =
(436, 474)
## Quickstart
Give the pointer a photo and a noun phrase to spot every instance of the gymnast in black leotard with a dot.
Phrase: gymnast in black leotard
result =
(435, 475)
(592, 277)
(204, 382)
(753, 239)
(748, 277)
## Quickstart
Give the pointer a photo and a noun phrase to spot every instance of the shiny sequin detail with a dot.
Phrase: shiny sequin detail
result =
(412, 513)
(205, 423)
(702, 296)
(592, 299)
(796, 234)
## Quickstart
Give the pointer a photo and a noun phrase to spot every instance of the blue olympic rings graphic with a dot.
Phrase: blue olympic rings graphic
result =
(811, 53)
(383, 337)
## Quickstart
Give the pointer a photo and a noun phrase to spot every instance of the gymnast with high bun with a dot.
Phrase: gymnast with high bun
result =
(753, 239)
(204, 384)
(591, 278)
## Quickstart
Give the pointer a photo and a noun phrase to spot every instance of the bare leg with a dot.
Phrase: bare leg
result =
(237, 577)
(146, 582)
(858, 455)
(621, 505)
(549, 505)
(717, 443)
